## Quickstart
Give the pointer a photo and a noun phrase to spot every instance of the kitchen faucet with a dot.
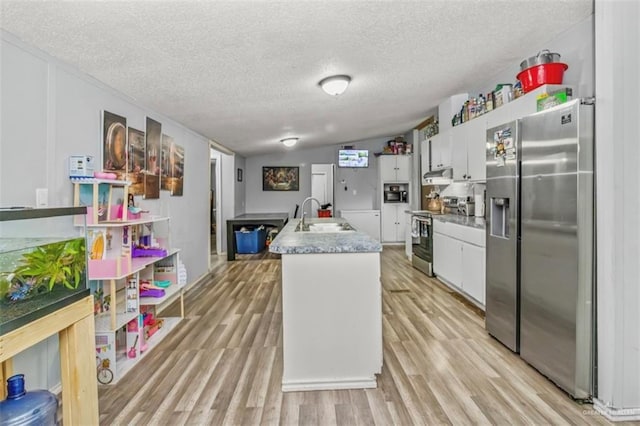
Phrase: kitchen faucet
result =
(302, 209)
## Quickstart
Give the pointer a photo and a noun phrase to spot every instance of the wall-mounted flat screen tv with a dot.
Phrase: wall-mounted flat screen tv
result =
(353, 158)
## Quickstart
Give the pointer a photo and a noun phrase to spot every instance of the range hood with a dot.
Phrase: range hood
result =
(438, 177)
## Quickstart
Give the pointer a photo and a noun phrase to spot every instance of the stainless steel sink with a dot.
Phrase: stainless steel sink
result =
(324, 228)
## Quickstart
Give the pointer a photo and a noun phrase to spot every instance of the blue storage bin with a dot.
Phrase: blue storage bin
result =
(250, 242)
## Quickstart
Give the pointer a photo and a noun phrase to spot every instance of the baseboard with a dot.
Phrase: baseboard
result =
(461, 292)
(302, 385)
(192, 284)
(614, 414)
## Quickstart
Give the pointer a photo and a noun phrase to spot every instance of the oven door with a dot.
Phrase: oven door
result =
(422, 258)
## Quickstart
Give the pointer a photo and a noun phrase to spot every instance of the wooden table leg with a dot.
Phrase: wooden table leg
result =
(6, 371)
(78, 374)
(231, 242)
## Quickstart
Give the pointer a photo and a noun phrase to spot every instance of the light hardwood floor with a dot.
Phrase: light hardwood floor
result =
(223, 363)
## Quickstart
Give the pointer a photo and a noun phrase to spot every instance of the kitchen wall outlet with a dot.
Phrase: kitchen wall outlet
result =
(42, 197)
(355, 192)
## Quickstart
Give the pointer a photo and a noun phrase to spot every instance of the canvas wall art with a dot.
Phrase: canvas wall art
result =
(165, 161)
(114, 144)
(152, 161)
(280, 179)
(176, 167)
(136, 158)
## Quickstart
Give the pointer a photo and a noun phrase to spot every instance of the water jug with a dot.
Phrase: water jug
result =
(39, 407)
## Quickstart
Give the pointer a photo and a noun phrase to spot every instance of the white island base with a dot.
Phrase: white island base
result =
(332, 321)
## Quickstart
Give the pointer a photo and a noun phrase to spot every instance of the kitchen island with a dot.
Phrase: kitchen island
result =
(331, 307)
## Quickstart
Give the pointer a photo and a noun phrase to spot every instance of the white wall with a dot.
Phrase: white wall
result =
(362, 181)
(617, 50)
(239, 187)
(51, 111)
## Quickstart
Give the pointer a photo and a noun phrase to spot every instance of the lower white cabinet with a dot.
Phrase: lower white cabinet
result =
(393, 222)
(473, 271)
(367, 221)
(447, 258)
(458, 259)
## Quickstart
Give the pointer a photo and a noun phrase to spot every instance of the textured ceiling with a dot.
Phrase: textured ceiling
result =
(245, 73)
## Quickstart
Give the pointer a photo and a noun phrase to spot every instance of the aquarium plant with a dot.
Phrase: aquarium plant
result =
(61, 263)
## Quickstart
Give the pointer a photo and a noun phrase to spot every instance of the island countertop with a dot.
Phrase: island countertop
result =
(288, 241)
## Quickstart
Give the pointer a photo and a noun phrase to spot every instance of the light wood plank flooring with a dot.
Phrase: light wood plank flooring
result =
(223, 363)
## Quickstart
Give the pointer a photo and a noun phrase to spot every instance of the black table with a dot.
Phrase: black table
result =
(277, 220)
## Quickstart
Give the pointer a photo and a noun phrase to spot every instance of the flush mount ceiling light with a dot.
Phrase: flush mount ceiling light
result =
(335, 85)
(289, 142)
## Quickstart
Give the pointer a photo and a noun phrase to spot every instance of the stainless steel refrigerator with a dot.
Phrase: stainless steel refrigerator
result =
(540, 242)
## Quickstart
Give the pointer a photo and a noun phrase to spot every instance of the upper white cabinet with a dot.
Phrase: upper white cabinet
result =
(395, 168)
(441, 150)
(468, 146)
(439, 156)
(424, 157)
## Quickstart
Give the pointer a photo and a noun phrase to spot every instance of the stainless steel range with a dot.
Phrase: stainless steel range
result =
(422, 232)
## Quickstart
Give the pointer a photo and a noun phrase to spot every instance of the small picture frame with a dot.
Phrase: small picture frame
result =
(239, 175)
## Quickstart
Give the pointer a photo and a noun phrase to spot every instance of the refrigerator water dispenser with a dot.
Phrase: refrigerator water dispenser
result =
(500, 217)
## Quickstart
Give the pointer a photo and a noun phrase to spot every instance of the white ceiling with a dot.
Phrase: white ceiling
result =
(245, 73)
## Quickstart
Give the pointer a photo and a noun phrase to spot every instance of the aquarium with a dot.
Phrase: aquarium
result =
(43, 263)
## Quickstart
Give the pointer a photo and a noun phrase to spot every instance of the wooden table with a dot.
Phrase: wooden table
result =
(277, 220)
(75, 327)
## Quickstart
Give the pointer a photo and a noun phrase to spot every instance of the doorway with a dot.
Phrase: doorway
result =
(322, 186)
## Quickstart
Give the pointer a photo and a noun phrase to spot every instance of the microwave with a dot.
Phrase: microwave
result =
(395, 196)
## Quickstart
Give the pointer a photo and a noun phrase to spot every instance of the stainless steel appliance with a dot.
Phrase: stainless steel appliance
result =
(438, 177)
(466, 206)
(540, 242)
(451, 202)
(422, 258)
(392, 197)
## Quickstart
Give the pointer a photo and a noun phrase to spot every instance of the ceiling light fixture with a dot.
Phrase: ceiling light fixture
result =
(289, 142)
(335, 85)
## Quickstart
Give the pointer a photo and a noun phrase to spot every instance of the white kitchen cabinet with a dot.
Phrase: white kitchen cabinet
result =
(441, 150)
(459, 258)
(424, 157)
(473, 271)
(459, 151)
(367, 221)
(468, 146)
(393, 222)
(395, 168)
(447, 258)
(477, 150)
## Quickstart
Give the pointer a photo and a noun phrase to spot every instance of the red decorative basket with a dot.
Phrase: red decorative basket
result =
(536, 76)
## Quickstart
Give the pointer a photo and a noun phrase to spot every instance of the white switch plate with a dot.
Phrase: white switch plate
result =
(42, 197)
(355, 192)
